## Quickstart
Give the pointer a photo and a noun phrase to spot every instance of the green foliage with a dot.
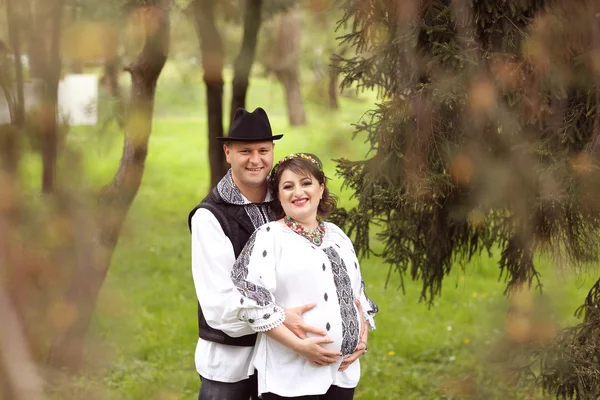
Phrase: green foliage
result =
(487, 134)
(570, 365)
(482, 136)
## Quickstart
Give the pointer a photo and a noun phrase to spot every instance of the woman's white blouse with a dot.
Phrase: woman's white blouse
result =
(279, 269)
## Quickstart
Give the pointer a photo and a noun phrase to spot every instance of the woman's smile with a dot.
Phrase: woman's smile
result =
(300, 195)
(300, 202)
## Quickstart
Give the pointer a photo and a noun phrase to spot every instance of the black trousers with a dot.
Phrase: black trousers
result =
(242, 390)
(334, 393)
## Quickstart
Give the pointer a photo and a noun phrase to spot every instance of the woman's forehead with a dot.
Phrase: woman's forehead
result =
(295, 173)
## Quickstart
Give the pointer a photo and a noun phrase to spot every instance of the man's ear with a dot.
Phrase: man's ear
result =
(227, 152)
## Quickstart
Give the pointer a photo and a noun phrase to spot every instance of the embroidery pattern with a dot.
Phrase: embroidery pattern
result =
(343, 286)
(259, 214)
(374, 308)
(239, 274)
(229, 192)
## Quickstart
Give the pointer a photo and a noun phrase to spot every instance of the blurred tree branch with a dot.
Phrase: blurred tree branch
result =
(285, 62)
(116, 197)
(509, 99)
(23, 379)
(485, 138)
(245, 59)
(14, 35)
(211, 46)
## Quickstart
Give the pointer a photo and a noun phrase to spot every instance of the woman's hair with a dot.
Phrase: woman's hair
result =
(302, 164)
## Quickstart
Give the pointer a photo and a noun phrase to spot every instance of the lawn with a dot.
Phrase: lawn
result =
(142, 341)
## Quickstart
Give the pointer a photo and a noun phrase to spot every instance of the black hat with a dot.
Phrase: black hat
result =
(250, 127)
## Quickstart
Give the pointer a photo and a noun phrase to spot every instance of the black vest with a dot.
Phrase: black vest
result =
(238, 228)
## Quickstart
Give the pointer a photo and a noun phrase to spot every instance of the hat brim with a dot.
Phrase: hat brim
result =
(265, 139)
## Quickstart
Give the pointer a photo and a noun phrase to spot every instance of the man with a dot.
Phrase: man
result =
(221, 225)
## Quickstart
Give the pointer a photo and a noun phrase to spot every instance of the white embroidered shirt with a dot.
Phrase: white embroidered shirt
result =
(280, 269)
(212, 261)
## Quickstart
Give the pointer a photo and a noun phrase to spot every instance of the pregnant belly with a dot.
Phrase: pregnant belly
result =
(341, 327)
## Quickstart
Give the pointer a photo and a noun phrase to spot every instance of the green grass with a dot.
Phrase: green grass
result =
(142, 341)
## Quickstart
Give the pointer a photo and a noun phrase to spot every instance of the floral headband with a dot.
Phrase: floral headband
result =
(298, 155)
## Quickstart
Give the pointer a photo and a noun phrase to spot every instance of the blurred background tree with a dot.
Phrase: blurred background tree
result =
(325, 52)
(92, 37)
(487, 138)
(206, 15)
(56, 248)
(281, 53)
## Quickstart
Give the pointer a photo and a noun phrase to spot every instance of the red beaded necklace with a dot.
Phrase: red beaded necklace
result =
(315, 236)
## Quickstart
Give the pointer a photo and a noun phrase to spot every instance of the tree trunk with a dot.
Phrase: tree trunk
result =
(50, 101)
(8, 132)
(293, 95)
(15, 42)
(212, 63)
(333, 86)
(216, 157)
(19, 378)
(19, 370)
(36, 38)
(9, 154)
(117, 197)
(110, 80)
(6, 81)
(287, 66)
(245, 59)
(334, 72)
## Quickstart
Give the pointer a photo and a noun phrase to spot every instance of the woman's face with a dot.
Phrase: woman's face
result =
(300, 195)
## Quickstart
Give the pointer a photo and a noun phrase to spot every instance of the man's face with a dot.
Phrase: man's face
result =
(250, 162)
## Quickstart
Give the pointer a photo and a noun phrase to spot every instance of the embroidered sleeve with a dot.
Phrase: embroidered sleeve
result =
(368, 306)
(253, 275)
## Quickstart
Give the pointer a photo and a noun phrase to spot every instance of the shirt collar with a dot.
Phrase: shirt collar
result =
(231, 194)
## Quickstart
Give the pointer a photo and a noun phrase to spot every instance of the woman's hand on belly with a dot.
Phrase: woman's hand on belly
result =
(312, 349)
(294, 322)
(330, 319)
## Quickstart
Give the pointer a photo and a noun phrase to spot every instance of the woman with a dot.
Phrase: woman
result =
(296, 260)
